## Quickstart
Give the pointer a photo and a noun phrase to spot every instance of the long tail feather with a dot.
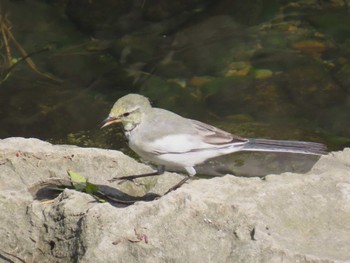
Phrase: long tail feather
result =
(285, 146)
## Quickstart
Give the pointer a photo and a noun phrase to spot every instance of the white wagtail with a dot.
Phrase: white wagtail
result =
(172, 142)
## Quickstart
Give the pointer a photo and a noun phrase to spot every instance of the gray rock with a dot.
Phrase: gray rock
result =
(284, 218)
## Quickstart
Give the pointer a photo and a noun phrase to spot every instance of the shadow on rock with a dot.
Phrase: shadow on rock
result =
(51, 188)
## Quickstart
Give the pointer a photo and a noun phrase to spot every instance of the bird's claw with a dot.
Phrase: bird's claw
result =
(123, 180)
(113, 179)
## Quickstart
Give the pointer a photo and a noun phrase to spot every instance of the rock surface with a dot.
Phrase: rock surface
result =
(284, 218)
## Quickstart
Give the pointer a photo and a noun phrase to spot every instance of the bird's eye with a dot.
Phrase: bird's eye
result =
(126, 114)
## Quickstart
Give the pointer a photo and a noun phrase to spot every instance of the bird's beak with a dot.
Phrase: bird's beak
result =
(110, 120)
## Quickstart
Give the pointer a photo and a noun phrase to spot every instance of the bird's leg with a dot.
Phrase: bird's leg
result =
(160, 170)
(178, 184)
(190, 171)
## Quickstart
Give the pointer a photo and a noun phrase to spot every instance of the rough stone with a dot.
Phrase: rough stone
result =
(289, 218)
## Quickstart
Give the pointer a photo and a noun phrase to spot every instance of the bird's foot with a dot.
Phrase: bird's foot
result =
(124, 179)
(131, 178)
(179, 184)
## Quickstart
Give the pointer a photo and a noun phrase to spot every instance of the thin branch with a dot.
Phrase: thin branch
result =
(8, 64)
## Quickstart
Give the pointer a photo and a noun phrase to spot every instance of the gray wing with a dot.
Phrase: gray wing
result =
(166, 132)
(213, 135)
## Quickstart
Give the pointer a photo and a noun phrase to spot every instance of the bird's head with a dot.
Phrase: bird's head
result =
(129, 110)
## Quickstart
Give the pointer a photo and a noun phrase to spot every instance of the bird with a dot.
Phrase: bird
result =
(173, 142)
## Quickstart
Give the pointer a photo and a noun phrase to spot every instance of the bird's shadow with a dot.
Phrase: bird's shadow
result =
(53, 187)
(244, 166)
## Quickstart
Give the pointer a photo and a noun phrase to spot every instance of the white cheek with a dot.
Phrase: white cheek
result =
(128, 125)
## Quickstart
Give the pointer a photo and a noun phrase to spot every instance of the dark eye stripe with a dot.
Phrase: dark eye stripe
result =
(126, 114)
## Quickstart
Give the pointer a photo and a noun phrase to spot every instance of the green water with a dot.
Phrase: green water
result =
(277, 71)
